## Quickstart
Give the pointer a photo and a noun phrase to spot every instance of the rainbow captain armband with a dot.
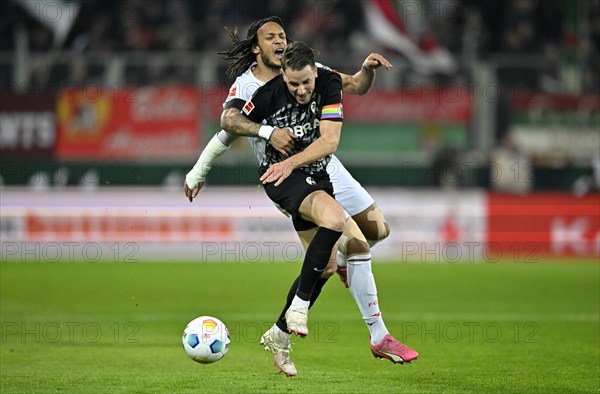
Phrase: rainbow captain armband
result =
(332, 111)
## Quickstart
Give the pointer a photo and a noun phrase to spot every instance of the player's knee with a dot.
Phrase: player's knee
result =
(372, 224)
(357, 246)
(338, 224)
(377, 233)
(336, 221)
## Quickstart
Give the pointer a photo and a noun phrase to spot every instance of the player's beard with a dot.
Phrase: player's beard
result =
(267, 62)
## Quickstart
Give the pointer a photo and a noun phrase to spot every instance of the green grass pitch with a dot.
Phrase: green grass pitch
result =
(102, 328)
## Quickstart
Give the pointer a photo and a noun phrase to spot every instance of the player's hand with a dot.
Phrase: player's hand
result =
(283, 141)
(192, 193)
(375, 60)
(278, 172)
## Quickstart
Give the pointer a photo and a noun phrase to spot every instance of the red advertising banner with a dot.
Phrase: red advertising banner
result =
(538, 102)
(545, 224)
(128, 124)
(447, 106)
(91, 226)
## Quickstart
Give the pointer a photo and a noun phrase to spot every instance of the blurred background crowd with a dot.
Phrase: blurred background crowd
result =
(469, 29)
(530, 51)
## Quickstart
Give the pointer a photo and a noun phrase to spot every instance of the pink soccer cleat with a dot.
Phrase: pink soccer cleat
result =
(394, 351)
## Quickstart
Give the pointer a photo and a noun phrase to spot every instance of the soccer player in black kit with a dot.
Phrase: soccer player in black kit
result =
(307, 101)
(255, 61)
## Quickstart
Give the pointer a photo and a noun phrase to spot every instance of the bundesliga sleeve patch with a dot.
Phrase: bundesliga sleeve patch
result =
(332, 111)
(232, 92)
(248, 108)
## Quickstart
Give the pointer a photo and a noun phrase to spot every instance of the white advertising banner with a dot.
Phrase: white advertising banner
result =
(227, 224)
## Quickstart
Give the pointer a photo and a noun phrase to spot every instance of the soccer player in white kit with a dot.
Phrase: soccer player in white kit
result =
(255, 61)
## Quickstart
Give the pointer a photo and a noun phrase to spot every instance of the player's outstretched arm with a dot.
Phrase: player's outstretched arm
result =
(194, 180)
(234, 122)
(361, 82)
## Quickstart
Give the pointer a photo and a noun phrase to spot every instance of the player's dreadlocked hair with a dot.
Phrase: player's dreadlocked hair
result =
(241, 55)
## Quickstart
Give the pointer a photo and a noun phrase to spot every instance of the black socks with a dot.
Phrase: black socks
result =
(309, 284)
(313, 297)
(316, 259)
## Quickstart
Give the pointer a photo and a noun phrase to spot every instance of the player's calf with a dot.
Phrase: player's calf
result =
(332, 266)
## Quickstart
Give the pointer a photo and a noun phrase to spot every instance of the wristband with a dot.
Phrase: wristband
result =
(266, 132)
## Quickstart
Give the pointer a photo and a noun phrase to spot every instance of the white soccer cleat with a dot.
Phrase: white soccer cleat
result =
(296, 318)
(280, 348)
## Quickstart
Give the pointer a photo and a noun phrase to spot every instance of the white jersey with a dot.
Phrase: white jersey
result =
(244, 88)
(348, 191)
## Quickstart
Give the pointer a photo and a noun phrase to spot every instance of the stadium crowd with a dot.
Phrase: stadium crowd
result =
(470, 29)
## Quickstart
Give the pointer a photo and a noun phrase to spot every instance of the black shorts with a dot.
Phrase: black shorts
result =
(293, 190)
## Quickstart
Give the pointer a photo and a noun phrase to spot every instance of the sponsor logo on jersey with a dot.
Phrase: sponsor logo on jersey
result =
(232, 92)
(310, 181)
(300, 130)
(248, 107)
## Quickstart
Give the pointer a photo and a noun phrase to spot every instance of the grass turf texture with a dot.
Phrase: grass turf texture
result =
(478, 327)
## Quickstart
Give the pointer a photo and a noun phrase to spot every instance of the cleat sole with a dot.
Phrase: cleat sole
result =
(401, 361)
(300, 334)
(287, 375)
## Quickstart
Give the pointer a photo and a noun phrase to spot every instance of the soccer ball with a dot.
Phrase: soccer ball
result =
(206, 339)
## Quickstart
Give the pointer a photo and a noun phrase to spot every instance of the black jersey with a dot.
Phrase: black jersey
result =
(274, 105)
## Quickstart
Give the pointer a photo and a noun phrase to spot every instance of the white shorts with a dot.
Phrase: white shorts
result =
(348, 192)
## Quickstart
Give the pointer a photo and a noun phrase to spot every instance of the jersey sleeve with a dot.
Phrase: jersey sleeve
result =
(240, 92)
(332, 102)
(233, 99)
(234, 103)
(256, 108)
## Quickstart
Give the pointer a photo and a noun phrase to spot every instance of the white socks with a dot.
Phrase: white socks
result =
(340, 259)
(281, 334)
(299, 301)
(363, 289)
